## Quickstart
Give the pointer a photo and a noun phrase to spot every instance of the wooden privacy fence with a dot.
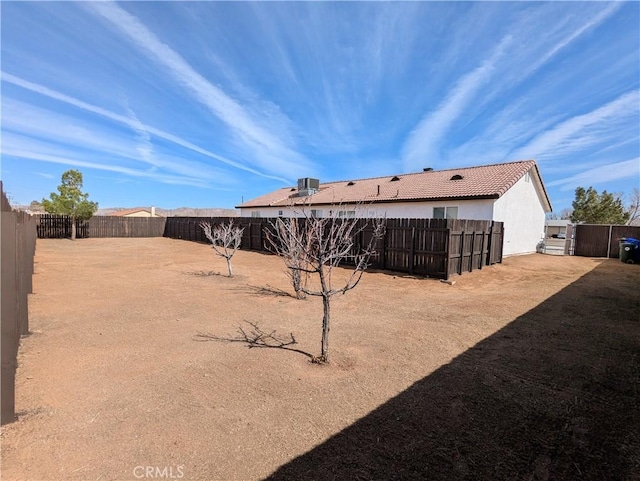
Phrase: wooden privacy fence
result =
(59, 226)
(18, 240)
(428, 247)
(598, 240)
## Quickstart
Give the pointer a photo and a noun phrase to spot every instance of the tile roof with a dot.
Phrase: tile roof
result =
(481, 182)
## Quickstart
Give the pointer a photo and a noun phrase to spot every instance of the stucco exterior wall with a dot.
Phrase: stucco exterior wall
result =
(522, 212)
(467, 209)
(140, 213)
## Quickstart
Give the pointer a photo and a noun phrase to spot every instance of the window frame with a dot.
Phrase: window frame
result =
(447, 211)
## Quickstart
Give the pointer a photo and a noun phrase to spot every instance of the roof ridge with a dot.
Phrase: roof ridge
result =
(487, 181)
(423, 172)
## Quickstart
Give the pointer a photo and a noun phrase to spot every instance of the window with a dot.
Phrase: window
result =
(279, 213)
(445, 212)
(255, 213)
(316, 213)
(452, 213)
(346, 214)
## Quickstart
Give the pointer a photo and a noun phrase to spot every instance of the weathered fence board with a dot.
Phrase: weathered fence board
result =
(59, 226)
(18, 241)
(599, 240)
(428, 247)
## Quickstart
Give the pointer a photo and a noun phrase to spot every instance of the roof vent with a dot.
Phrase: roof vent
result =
(394, 178)
(351, 183)
(427, 169)
(293, 189)
(456, 177)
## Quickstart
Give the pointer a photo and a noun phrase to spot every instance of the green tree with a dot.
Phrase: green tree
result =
(593, 208)
(35, 206)
(70, 200)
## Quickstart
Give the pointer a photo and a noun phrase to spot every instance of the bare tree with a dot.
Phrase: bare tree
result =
(315, 247)
(285, 240)
(225, 238)
(634, 207)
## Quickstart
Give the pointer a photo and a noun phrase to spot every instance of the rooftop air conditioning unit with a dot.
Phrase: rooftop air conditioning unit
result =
(308, 186)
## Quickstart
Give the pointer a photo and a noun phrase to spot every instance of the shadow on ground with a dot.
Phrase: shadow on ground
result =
(553, 395)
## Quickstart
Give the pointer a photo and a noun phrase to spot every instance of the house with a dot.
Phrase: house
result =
(555, 227)
(136, 212)
(511, 192)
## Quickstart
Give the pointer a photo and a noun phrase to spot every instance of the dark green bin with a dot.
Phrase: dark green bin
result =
(629, 250)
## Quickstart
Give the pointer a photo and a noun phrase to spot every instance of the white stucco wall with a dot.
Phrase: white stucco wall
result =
(140, 213)
(522, 212)
(467, 209)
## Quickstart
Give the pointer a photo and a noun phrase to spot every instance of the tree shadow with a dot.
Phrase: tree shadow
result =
(552, 396)
(266, 291)
(205, 273)
(255, 337)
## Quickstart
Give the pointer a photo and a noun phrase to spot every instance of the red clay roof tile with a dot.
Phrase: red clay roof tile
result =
(486, 181)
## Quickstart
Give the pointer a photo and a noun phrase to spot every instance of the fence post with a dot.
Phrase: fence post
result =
(482, 259)
(461, 253)
(473, 248)
(447, 255)
(8, 315)
(412, 250)
(384, 248)
(609, 242)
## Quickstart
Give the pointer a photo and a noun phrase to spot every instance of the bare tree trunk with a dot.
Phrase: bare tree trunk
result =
(73, 228)
(229, 266)
(326, 318)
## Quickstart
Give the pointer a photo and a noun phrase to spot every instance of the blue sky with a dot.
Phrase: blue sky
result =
(202, 104)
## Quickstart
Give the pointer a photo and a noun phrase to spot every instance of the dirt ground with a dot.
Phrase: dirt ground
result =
(525, 370)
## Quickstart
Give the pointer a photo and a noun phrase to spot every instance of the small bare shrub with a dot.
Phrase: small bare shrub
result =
(225, 240)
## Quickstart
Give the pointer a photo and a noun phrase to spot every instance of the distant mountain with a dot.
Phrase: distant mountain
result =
(193, 212)
(181, 212)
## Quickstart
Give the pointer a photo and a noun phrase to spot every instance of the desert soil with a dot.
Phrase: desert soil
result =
(525, 370)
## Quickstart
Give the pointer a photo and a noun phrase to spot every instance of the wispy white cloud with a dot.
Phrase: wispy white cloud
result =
(572, 34)
(600, 175)
(57, 136)
(45, 175)
(423, 144)
(269, 151)
(519, 55)
(533, 51)
(583, 131)
(124, 120)
(144, 146)
(32, 154)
